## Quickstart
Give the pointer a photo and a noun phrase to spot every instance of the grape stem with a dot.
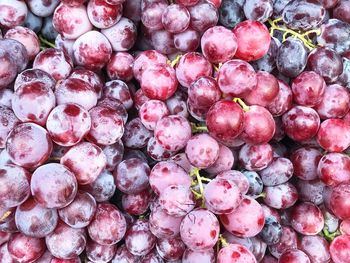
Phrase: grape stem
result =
(262, 195)
(46, 42)
(173, 63)
(198, 128)
(223, 241)
(198, 180)
(244, 106)
(329, 236)
(217, 68)
(303, 37)
(6, 215)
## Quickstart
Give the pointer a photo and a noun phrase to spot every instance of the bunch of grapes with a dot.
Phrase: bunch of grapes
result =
(194, 131)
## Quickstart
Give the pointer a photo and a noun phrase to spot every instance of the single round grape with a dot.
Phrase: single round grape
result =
(340, 249)
(203, 16)
(8, 69)
(187, 41)
(303, 15)
(281, 196)
(253, 40)
(238, 178)
(294, 256)
(311, 191)
(190, 67)
(89, 76)
(92, 50)
(222, 196)
(48, 31)
(272, 231)
(152, 111)
(65, 44)
(120, 66)
(288, 241)
(305, 161)
(43, 8)
(66, 242)
(53, 185)
(175, 18)
(119, 90)
(333, 169)
(138, 239)
(34, 75)
(136, 135)
(170, 249)
(5, 254)
(279, 171)
(28, 145)
(99, 253)
(283, 102)
(307, 219)
(107, 126)
(177, 104)
(157, 152)
(235, 253)
(344, 227)
(338, 196)
(102, 14)
(255, 157)
(237, 78)
(190, 256)
(86, 160)
(241, 222)
(15, 188)
(152, 15)
(316, 247)
(341, 11)
(258, 10)
(131, 176)
(115, 105)
(255, 184)
(8, 121)
(33, 22)
(68, 124)
(204, 92)
(108, 226)
(136, 204)
(223, 163)
(114, 154)
(327, 135)
(34, 220)
(13, 13)
(24, 248)
(218, 44)
(200, 230)
(79, 213)
(301, 123)
(147, 59)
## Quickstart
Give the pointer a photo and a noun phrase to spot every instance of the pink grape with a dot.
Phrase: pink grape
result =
(281, 196)
(136, 135)
(224, 162)
(294, 256)
(307, 219)
(330, 163)
(120, 66)
(339, 249)
(13, 13)
(151, 112)
(176, 18)
(102, 14)
(305, 162)
(97, 252)
(327, 135)
(255, 157)
(170, 249)
(147, 59)
(8, 121)
(236, 254)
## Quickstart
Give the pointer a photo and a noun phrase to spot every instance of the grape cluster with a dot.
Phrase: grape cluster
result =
(194, 131)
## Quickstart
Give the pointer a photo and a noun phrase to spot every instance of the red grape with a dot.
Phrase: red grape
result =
(224, 162)
(328, 138)
(8, 121)
(151, 112)
(279, 171)
(311, 191)
(255, 157)
(89, 76)
(288, 241)
(283, 101)
(340, 249)
(13, 13)
(102, 14)
(307, 219)
(203, 15)
(176, 18)
(333, 169)
(294, 256)
(338, 201)
(147, 59)
(114, 154)
(124, 256)
(316, 247)
(136, 204)
(34, 75)
(5, 254)
(136, 135)
(258, 10)
(99, 253)
(170, 249)
(187, 41)
(281, 196)
(120, 66)
(235, 253)
(305, 161)
(190, 256)
(152, 14)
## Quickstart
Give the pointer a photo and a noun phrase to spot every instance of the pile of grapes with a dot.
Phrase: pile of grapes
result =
(194, 131)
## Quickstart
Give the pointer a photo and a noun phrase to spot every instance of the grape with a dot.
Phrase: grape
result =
(147, 59)
(24, 248)
(152, 111)
(198, 114)
(266, 90)
(308, 89)
(202, 150)
(102, 14)
(6, 96)
(272, 231)
(237, 78)
(55, 62)
(311, 191)
(67, 124)
(191, 66)
(156, 151)
(327, 135)
(307, 219)
(34, 75)
(255, 184)
(5, 254)
(222, 196)
(115, 105)
(33, 22)
(48, 31)
(114, 154)
(255, 157)
(163, 225)
(108, 226)
(92, 50)
(203, 16)
(164, 77)
(259, 126)
(118, 90)
(218, 44)
(13, 13)
(34, 220)
(99, 253)
(236, 254)
(303, 15)
(200, 230)
(138, 239)
(175, 18)
(120, 66)
(136, 204)
(65, 44)
(187, 2)
(122, 35)
(241, 222)
(224, 162)
(281, 196)
(15, 185)
(187, 41)
(288, 241)
(253, 40)
(258, 10)
(8, 69)
(339, 249)
(238, 178)
(283, 102)
(301, 123)
(305, 161)
(4, 237)
(170, 249)
(8, 121)
(53, 185)
(131, 176)
(132, 10)
(29, 40)
(79, 213)
(341, 11)
(28, 145)
(329, 3)
(231, 13)
(103, 188)
(124, 256)
(333, 169)
(152, 15)
(294, 256)
(86, 160)
(66, 242)
(190, 256)
(279, 171)
(89, 76)
(338, 196)
(268, 258)
(204, 92)
(316, 247)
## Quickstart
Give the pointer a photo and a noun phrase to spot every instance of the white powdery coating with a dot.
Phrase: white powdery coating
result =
(42, 8)
(65, 44)
(15, 9)
(103, 15)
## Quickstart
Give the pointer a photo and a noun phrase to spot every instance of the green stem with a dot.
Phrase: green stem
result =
(198, 128)
(46, 42)
(244, 106)
(173, 63)
(262, 195)
(223, 241)
(330, 236)
(5, 215)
